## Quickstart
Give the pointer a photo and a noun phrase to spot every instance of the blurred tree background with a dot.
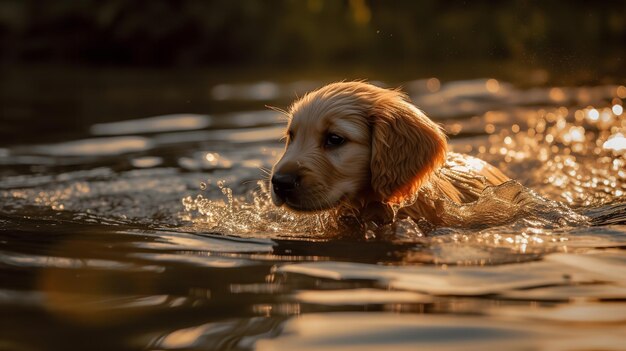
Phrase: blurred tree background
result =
(320, 33)
(68, 64)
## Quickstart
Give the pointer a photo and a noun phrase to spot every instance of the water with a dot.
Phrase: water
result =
(157, 233)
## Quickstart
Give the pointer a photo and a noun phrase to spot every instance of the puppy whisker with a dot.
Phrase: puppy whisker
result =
(279, 110)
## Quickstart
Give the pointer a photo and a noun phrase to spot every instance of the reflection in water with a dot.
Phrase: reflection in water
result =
(97, 147)
(452, 280)
(152, 125)
(574, 293)
(262, 134)
(146, 161)
(180, 241)
(576, 313)
(34, 261)
(205, 160)
(236, 334)
(376, 331)
(101, 309)
(360, 297)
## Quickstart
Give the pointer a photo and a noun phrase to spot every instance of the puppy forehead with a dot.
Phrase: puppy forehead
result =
(333, 121)
(351, 126)
(321, 108)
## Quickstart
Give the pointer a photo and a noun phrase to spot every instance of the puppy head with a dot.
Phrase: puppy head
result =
(351, 143)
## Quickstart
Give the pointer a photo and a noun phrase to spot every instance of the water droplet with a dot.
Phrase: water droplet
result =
(370, 235)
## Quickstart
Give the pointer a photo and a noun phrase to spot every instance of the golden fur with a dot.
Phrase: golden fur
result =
(392, 155)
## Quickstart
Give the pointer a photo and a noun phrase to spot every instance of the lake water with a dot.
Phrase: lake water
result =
(155, 232)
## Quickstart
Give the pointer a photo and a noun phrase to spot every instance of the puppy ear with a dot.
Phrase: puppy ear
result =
(406, 148)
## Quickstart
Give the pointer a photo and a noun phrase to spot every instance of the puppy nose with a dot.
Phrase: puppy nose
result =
(284, 184)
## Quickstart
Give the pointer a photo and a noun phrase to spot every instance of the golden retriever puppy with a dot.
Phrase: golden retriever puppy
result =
(364, 150)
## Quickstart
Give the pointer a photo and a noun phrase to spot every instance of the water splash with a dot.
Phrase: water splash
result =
(573, 157)
(251, 215)
(532, 222)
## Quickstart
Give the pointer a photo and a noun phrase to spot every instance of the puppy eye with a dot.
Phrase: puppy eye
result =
(334, 140)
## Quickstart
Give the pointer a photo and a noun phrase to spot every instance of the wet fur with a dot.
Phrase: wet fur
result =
(393, 156)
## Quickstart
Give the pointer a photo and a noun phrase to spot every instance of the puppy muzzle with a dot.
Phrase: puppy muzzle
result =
(284, 186)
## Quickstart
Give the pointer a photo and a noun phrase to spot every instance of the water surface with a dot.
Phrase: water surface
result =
(155, 232)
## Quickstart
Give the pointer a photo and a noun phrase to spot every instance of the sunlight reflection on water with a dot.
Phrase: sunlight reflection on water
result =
(378, 330)
(97, 147)
(173, 221)
(569, 171)
(152, 124)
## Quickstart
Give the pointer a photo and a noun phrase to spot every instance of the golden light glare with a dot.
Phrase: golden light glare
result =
(574, 134)
(593, 115)
(476, 164)
(183, 337)
(492, 85)
(616, 142)
(557, 94)
(579, 115)
(433, 85)
(211, 157)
